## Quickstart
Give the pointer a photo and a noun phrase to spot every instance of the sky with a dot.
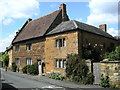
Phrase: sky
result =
(14, 14)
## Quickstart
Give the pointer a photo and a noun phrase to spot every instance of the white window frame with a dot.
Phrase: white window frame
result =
(60, 63)
(64, 63)
(28, 46)
(61, 42)
(57, 63)
(29, 61)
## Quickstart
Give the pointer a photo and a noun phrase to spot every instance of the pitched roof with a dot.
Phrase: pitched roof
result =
(72, 25)
(37, 27)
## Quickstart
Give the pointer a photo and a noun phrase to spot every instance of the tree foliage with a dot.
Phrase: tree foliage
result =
(89, 52)
(114, 55)
(31, 69)
(77, 70)
(14, 67)
(5, 59)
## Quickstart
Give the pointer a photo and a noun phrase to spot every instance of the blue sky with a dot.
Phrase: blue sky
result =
(94, 12)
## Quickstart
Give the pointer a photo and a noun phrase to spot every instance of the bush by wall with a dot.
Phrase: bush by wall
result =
(113, 56)
(14, 67)
(57, 76)
(77, 70)
(31, 69)
(104, 81)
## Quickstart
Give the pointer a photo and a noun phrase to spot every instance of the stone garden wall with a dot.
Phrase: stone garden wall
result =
(111, 69)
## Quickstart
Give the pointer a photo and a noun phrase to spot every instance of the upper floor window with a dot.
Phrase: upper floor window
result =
(17, 61)
(60, 63)
(29, 61)
(28, 46)
(17, 48)
(61, 42)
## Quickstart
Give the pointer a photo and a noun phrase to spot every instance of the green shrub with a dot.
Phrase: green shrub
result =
(113, 56)
(31, 69)
(77, 70)
(104, 81)
(14, 67)
(89, 79)
(113, 86)
(57, 76)
(91, 52)
(24, 69)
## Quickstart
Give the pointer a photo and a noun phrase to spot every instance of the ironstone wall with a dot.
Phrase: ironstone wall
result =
(111, 69)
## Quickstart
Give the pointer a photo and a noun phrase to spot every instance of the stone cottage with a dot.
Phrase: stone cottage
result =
(48, 39)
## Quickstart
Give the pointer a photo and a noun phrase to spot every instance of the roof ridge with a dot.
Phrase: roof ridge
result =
(45, 15)
(75, 23)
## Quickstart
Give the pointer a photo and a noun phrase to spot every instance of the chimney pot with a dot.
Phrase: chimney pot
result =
(103, 27)
(16, 33)
(63, 7)
(29, 20)
(64, 12)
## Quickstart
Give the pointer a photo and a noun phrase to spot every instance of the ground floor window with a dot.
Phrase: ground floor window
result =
(60, 63)
(29, 61)
(17, 61)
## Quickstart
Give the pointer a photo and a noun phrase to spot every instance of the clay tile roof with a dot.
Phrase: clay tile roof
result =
(37, 27)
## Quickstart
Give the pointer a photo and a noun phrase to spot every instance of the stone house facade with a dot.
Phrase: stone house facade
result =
(48, 39)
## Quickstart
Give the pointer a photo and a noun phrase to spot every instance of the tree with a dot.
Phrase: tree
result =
(114, 55)
(5, 59)
(90, 52)
(77, 70)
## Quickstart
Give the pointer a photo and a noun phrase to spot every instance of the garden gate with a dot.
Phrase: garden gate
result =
(96, 72)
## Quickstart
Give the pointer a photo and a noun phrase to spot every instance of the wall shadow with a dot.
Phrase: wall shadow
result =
(6, 86)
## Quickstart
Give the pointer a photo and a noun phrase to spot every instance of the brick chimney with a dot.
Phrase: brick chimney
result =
(29, 20)
(64, 12)
(103, 27)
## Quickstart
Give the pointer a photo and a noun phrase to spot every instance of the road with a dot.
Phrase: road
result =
(19, 81)
(9, 80)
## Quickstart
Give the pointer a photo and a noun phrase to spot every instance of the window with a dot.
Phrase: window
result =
(64, 63)
(64, 42)
(17, 61)
(29, 61)
(28, 46)
(57, 63)
(60, 63)
(17, 48)
(61, 42)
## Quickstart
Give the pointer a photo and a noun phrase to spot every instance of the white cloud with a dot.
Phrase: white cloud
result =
(112, 31)
(53, 5)
(18, 9)
(103, 12)
(80, 19)
(5, 42)
(7, 21)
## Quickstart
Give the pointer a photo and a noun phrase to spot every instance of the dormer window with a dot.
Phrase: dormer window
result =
(28, 46)
(61, 42)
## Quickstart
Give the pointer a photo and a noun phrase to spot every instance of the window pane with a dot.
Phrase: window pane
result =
(28, 47)
(64, 42)
(17, 48)
(57, 43)
(57, 63)
(60, 63)
(60, 42)
(64, 63)
(17, 61)
(29, 61)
